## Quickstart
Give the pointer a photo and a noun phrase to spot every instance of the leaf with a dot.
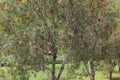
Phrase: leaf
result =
(24, 1)
(1, 28)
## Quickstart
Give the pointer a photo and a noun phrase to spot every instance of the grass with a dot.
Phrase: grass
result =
(46, 75)
(100, 75)
(4, 74)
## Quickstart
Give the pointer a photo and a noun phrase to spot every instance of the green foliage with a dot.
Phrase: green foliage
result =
(30, 31)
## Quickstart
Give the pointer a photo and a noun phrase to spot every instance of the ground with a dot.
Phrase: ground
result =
(100, 75)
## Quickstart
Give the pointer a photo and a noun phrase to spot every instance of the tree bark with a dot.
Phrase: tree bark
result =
(118, 65)
(53, 66)
(118, 68)
(92, 75)
(54, 56)
(111, 68)
(110, 74)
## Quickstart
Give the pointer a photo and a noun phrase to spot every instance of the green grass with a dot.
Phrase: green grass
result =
(39, 76)
(4, 74)
(46, 75)
(100, 75)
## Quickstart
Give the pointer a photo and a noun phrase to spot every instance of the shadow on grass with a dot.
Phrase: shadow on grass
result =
(116, 72)
(116, 78)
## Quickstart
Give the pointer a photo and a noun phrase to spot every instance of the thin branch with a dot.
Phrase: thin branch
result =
(63, 65)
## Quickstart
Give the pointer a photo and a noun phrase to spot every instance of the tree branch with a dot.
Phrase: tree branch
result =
(63, 65)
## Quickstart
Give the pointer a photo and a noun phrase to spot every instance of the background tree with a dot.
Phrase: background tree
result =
(36, 33)
(35, 36)
(89, 22)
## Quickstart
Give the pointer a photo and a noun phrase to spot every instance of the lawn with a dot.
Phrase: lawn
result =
(100, 75)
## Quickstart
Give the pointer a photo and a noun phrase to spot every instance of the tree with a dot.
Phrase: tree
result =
(90, 24)
(34, 28)
(39, 30)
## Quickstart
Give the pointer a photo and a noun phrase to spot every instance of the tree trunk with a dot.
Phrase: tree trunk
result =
(53, 67)
(92, 75)
(118, 68)
(111, 68)
(118, 65)
(54, 56)
(110, 74)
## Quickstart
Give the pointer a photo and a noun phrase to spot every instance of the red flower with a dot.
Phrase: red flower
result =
(101, 20)
(18, 0)
(103, 0)
(14, 8)
(91, 4)
(66, 33)
(8, 21)
(4, 3)
(62, 40)
(96, 33)
(78, 5)
(104, 13)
